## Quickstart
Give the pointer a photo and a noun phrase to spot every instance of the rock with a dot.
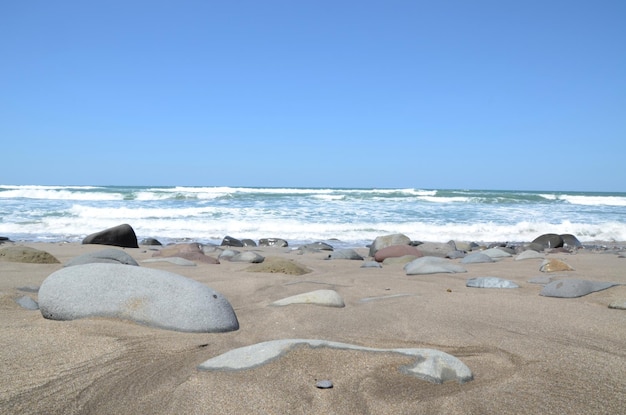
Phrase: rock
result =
(430, 365)
(230, 241)
(279, 265)
(191, 252)
(618, 304)
(146, 296)
(540, 280)
(227, 254)
(402, 260)
(345, 254)
(456, 254)
(554, 265)
(150, 242)
(496, 253)
(315, 247)
(324, 384)
(27, 255)
(476, 258)
(490, 282)
(431, 265)
(571, 288)
(275, 242)
(396, 251)
(27, 303)
(248, 242)
(371, 264)
(250, 257)
(529, 254)
(436, 249)
(121, 235)
(388, 240)
(4, 239)
(176, 260)
(570, 241)
(327, 298)
(29, 289)
(109, 255)
(549, 240)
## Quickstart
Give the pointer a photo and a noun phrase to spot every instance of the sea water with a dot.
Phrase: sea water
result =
(346, 217)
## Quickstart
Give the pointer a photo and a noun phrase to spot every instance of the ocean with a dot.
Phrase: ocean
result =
(342, 217)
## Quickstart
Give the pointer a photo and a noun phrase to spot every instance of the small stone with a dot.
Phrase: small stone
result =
(324, 384)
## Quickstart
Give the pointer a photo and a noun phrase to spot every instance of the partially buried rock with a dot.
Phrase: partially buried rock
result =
(618, 304)
(432, 265)
(327, 298)
(554, 265)
(121, 235)
(571, 288)
(496, 253)
(27, 303)
(279, 265)
(529, 254)
(490, 282)
(191, 252)
(105, 256)
(146, 296)
(250, 257)
(27, 255)
(315, 247)
(476, 258)
(345, 254)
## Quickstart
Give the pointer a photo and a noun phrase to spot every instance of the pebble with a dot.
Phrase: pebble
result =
(324, 384)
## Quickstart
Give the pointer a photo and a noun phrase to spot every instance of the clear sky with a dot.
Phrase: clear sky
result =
(520, 95)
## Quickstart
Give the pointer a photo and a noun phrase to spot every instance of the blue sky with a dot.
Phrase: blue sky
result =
(520, 95)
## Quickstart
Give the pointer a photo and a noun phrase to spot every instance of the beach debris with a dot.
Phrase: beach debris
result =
(104, 256)
(554, 265)
(432, 265)
(388, 240)
(430, 365)
(571, 288)
(273, 242)
(324, 384)
(275, 265)
(26, 254)
(121, 235)
(327, 298)
(529, 254)
(146, 296)
(396, 251)
(176, 260)
(345, 254)
(190, 251)
(490, 282)
(496, 253)
(477, 258)
(27, 303)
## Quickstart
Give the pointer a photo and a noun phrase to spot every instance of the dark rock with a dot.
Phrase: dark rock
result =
(570, 241)
(151, 242)
(549, 240)
(275, 242)
(248, 242)
(230, 241)
(121, 235)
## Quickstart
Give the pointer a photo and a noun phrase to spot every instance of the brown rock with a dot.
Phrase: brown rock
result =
(278, 265)
(396, 251)
(554, 265)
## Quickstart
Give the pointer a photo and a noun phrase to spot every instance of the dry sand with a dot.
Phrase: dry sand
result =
(529, 354)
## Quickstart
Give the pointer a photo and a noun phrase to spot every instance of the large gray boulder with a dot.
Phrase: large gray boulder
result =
(121, 235)
(388, 240)
(104, 256)
(146, 296)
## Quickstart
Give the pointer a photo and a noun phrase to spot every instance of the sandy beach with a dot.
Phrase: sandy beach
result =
(528, 353)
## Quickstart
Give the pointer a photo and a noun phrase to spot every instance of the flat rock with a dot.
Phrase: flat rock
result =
(327, 298)
(476, 258)
(571, 288)
(432, 265)
(146, 296)
(27, 303)
(490, 282)
(249, 257)
(371, 264)
(104, 256)
(315, 247)
(279, 265)
(396, 251)
(529, 254)
(191, 251)
(618, 304)
(25, 254)
(402, 260)
(496, 253)
(176, 260)
(345, 254)
(121, 235)
(554, 265)
(541, 279)
(430, 365)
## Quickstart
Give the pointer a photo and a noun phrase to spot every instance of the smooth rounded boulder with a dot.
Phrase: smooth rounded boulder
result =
(388, 240)
(146, 296)
(548, 240)
(121, 235)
